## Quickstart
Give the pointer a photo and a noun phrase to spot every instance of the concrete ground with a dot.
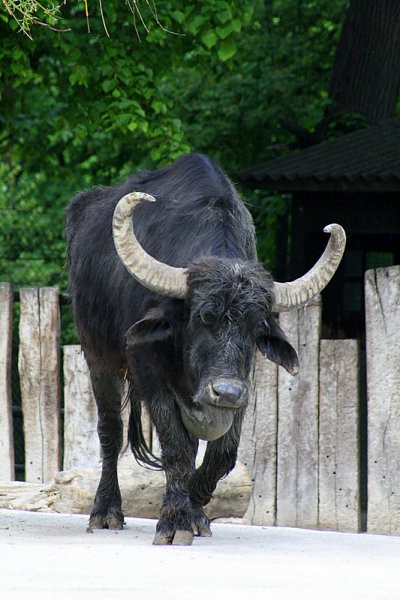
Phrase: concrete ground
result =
(50, 556)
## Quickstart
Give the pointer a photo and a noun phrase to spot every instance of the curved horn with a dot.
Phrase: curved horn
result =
(295, 294)
(152, 274)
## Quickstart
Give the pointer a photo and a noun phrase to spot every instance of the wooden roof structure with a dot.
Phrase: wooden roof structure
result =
(367, 160)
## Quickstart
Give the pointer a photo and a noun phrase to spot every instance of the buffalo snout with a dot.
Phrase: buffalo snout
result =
(229, 393)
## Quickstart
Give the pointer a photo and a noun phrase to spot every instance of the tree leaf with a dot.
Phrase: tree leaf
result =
(209, 39)
(227, 49)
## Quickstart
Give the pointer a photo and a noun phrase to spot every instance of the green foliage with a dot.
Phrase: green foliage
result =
(31, 229)
(78, 109)
(266, 208)
(86, 104)
(281, 66)
(344, 123)
(28, 13)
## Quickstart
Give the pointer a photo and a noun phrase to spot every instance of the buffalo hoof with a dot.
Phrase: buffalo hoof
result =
(112, 519)
(204, 531)
(201, 523)
(177, 538)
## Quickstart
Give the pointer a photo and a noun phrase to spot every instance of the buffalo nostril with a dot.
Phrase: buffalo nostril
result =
(227, 391)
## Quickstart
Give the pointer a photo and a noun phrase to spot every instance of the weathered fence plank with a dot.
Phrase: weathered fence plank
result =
(339, 489)
(300, 435)
(258, 443)
(39, 367)
(81, 442)
(382, 302)
(7, 472)
(297, 477)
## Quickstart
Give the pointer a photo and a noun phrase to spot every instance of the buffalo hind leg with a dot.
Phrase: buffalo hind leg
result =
(179, 449)
(106, 513)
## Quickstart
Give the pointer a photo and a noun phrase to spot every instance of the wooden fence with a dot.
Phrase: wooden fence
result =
(300, 439)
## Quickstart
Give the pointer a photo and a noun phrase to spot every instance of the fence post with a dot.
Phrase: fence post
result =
(81, 443)
(7, 471)
(382, 304)
(39, 367)
(297, 477)
(339, 489)
(257, 448)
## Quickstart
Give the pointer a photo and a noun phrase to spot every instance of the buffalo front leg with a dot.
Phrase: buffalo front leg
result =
(106, 513)
(179, 449)
(219, 459)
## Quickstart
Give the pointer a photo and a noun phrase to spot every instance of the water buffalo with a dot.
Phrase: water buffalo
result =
(174, 300)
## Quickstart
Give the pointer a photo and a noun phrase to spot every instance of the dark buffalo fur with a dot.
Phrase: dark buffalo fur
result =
(171, 350)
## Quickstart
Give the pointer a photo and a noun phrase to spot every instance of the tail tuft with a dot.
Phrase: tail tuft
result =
(141, 451)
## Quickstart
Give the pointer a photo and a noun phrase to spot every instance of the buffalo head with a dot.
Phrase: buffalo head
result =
(227, 314)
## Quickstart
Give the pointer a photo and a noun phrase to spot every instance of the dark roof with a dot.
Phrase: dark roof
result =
(365, 160)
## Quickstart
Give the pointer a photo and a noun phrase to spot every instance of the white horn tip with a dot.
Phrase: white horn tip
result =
(334, 228)
(138, 197)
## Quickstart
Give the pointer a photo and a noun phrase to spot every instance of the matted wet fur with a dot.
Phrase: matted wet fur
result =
(190, 361)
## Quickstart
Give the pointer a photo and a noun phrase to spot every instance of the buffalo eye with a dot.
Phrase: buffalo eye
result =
(207, 315)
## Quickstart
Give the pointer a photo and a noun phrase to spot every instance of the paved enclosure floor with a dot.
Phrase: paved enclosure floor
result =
(50, 556)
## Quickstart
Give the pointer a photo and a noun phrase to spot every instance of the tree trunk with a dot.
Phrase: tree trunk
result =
(366, 70)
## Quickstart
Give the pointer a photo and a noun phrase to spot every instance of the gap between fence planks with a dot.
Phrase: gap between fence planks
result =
(39, 368)
(7, 471)
(382, 303)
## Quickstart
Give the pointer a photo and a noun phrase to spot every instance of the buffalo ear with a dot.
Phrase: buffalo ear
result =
(154, 327)
(272, 342)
